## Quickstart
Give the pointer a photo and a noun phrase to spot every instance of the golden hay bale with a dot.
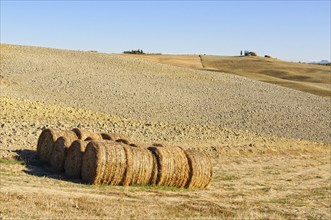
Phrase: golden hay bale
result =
(139, 144)
(83, 134)
(59, 152)
(201, 169)
(141, 166)
(133, 145)
(173, 167)
(47, 139)
(153, 179)
(73, 162)
(104, 162)
(115, 137)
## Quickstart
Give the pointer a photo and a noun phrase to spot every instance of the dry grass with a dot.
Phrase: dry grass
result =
(291, 183)
(315, 79)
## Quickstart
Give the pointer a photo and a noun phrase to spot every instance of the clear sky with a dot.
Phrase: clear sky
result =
(289, 30)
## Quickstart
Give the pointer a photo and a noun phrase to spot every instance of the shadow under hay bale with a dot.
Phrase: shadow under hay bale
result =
(115, 137)
(141, 166)
(73, 162)
(83, 134)
(104, 162)
(46, 142)
(173, 167)
(59, 152)
(201, 169)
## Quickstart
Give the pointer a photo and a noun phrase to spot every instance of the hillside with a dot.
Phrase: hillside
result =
(190, 61)
(314, 79)
(270, 145)
(157, 93)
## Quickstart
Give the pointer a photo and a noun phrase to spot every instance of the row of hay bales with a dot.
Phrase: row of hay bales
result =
(112, 159)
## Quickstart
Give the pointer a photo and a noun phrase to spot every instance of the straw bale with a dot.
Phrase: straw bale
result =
(83, 134)
(59, 152)
(153, 179)
(133, 145)
(104, 162)
(47, 139)
(173, 167)
(73, 162)
(116, 137)
(201, 169)
(140, 166)
(139, 144)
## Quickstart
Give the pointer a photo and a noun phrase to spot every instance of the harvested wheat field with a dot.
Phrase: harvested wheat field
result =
(311, 78)
(269, 145)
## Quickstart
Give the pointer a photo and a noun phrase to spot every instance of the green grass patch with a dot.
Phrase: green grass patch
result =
(321, 192)
(11, 161)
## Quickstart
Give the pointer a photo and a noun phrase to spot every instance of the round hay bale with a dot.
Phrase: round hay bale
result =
(83, 134)
(133, 145)
(104, 162)
(127, 177)
(139, 144)
(59, 152)
(47, 139)
(153, 179)
(140, 166)
(73, 162)
(201, 169)
(115, 137)
(173, 167)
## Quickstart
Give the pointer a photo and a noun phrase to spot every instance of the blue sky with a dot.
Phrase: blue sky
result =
(289, 30)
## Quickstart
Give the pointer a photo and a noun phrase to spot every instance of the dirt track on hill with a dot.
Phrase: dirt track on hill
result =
(157, 93)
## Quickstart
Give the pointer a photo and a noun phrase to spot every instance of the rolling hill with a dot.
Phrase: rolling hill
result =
(311, 78)
(270, 145)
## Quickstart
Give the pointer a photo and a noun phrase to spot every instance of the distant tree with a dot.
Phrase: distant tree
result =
(134, 52)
